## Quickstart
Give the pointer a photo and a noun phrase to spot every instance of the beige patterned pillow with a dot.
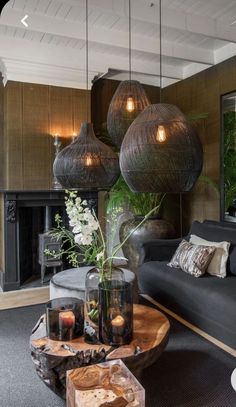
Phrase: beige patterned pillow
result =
(191, 258)
(217, 265)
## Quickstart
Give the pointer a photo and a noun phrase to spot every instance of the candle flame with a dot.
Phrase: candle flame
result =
(118, 321)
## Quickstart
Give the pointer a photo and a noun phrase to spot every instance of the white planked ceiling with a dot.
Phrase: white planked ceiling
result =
(196, 34)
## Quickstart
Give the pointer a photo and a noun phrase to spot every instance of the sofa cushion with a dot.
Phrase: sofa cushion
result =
(207, 302)
(159, 249)
(218, 232)
(192, 258)
(217, 265)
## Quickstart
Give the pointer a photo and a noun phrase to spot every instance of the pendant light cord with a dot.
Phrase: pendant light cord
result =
(87, 99)
(160, 35)
(181, 215)
(130, 43)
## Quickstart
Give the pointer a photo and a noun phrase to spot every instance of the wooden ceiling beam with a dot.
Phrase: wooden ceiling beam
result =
(108, 37)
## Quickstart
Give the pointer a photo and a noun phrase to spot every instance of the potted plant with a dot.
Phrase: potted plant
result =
(85, 243)
(121, 199)
(229, 161)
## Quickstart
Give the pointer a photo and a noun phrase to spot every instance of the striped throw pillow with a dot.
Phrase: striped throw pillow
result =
(192, 258)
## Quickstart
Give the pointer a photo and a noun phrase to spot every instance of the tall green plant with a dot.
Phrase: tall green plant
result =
(137, 202)
(229, 123)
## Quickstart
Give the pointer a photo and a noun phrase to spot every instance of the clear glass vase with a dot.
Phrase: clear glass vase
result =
(91, 295)
(92, 280)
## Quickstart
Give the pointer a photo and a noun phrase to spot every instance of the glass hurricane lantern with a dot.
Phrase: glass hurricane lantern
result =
(65, 318)
(115, 312)
(92, 280)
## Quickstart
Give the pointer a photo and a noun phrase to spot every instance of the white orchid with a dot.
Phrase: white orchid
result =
(100, 256)
(85, 238)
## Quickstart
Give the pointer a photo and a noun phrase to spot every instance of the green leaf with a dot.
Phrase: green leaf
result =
(139, 203)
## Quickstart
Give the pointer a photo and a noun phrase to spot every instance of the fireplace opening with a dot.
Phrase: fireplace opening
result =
(26, 215)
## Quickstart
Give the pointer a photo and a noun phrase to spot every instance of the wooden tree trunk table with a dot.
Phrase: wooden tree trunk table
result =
(53, 358)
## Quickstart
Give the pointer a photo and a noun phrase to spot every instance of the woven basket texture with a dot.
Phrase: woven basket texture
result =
(149, 165)
(118, 118)
(87, 163)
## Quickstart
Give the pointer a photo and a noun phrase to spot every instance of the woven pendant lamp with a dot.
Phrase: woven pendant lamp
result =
(128, 101)
(161, 151)
(87, 163)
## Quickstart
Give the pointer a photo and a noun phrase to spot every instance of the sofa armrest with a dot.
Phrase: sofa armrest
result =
(158, 250)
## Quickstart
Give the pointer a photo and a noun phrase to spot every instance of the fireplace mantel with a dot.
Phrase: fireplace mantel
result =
(17, 250)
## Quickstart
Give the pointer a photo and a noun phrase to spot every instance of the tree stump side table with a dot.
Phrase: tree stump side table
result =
(53, 358)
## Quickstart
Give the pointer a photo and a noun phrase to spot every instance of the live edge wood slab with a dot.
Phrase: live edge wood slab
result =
(52, 360)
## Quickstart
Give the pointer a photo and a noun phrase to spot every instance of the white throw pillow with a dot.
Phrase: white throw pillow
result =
(217, 266)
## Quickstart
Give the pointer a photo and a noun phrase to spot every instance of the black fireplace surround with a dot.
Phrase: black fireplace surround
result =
(23, 219)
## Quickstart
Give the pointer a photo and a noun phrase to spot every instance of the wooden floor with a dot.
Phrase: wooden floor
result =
(22, 298)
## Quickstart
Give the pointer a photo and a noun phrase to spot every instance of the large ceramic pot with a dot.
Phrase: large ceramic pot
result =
(152, 228)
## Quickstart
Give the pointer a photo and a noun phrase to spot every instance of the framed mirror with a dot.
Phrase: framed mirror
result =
(228, 157)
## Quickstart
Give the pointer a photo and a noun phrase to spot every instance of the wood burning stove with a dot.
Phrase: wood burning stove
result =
(47, 241)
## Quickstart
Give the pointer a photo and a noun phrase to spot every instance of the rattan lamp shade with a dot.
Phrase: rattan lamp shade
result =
(167, 164)
(86, 163)
(119, 118)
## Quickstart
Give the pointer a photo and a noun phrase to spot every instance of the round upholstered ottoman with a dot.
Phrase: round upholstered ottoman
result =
(71, 283)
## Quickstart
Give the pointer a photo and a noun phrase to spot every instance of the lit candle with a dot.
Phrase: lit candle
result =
(66, 320)
(118, 322)
(118, 326)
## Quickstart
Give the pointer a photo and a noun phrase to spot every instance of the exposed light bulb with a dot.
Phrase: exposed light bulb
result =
(130, 104)
(88, 160)
(74, 135)
(161, 134)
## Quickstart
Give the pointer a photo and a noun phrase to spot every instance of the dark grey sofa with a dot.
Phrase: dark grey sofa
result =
(208, 302)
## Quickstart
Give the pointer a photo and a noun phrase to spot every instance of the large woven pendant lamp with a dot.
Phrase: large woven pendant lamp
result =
(87, 163)
(161, 151)
(128, 101)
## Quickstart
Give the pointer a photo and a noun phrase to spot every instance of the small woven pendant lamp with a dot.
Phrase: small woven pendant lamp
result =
(87, 163)
(128, 102)
(161, 151)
